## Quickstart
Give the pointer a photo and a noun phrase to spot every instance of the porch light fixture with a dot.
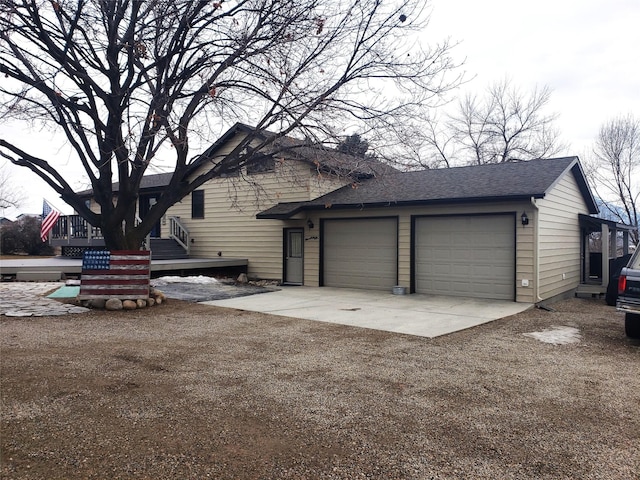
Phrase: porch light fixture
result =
(524, 219)
(309, 224)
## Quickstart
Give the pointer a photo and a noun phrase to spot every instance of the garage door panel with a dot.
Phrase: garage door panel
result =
(466, 256)
(360, 253)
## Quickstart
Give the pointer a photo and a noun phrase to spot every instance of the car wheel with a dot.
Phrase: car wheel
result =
(632, 325)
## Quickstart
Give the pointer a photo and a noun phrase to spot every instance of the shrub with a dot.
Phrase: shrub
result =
(23, 237)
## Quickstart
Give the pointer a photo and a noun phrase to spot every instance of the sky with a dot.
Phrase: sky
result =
(585, 51)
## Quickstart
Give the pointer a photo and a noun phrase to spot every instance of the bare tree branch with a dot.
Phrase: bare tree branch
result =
(10, 193)
(124, 80)
(503, 126)
(614, 168)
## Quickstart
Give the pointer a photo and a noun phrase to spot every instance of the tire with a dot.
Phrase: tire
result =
(632, 325)
(612, 292)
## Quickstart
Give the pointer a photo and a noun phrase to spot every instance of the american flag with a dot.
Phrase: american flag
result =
(49, 218)
(120, 274)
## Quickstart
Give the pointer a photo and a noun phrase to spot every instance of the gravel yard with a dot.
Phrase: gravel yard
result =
(187, 391)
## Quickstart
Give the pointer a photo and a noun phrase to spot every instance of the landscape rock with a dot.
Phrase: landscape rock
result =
(129, 305)
(113, 304)
(157, 295)
(97, 303)
(242, 278)
(150, 302)
(141, 303)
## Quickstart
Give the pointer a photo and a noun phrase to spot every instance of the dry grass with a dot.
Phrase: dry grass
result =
(190, 391)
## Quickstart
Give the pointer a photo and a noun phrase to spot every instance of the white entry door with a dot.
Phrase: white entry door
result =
(294, 256)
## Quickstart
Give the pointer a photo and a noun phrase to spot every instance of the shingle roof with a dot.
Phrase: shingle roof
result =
(148, 182)
(505, 181)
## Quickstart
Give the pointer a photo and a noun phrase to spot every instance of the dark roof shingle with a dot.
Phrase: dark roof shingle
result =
(505, 181)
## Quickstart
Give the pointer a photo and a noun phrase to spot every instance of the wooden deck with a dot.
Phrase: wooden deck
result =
(45, 268)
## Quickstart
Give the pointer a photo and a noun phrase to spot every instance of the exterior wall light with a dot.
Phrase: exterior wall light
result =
(309, 224)
(524, 219)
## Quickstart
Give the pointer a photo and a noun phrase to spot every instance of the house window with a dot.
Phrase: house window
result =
(197, 204)
(261, 165)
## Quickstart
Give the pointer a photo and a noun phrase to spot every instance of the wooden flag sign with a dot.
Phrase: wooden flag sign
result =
(122, 274)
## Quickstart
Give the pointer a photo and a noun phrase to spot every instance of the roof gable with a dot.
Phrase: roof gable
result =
(496, 182)
(321, 157)
(324, 159)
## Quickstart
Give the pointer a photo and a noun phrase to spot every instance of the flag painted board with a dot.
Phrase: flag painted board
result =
(122, 274)
(49, 218)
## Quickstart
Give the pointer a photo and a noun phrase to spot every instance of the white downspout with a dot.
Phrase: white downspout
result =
(536, 251)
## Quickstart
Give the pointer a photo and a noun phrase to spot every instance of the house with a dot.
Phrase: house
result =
(308, 216)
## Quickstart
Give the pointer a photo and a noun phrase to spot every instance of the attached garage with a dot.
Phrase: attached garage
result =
(507, 231)
(360, 253)
(467, 255)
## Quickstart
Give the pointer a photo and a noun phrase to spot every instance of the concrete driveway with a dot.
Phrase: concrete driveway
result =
(421, 315)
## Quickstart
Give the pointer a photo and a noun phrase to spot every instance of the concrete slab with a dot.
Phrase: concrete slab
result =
(38, 276)
(420, 315)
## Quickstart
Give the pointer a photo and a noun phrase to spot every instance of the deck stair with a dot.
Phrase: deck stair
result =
(167, 249)
(590, 290)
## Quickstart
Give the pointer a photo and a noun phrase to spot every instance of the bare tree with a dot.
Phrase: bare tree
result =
(124, 80)
(10, 193)
(615, 167)
(503, 126)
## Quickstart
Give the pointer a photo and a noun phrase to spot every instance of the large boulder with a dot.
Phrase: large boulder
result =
(113, 304)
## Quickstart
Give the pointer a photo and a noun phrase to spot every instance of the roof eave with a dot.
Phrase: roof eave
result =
(401, 204)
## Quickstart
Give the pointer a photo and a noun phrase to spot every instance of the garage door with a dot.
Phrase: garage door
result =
(360, 253)
(471, 256)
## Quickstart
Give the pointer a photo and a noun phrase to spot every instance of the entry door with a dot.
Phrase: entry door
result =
(294, 256)
(146, 202)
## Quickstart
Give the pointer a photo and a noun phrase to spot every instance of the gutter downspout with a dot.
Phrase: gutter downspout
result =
(536, 252)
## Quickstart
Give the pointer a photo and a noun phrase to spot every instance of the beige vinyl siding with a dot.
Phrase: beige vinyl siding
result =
(559, 237)
(230, 226)
(524, 238)
(321, 184)
(526, 254)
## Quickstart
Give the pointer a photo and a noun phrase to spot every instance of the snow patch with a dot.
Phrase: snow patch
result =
(200, 280)
(557, 335)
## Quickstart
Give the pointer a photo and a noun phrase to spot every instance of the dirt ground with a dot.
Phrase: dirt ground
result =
(186, 391)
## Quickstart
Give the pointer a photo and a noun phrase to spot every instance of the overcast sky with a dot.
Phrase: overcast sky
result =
(586, 51)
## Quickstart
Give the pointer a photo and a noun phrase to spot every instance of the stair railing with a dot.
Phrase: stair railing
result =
(179, 233)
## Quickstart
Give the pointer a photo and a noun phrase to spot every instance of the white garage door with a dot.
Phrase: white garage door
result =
(360, 253)
(471, 256)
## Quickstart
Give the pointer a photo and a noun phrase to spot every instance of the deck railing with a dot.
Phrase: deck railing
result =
(74, 234)
(73, 228)
(179, 233)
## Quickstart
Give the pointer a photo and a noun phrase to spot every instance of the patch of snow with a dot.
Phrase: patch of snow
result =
(557, 335)
(199, 279)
